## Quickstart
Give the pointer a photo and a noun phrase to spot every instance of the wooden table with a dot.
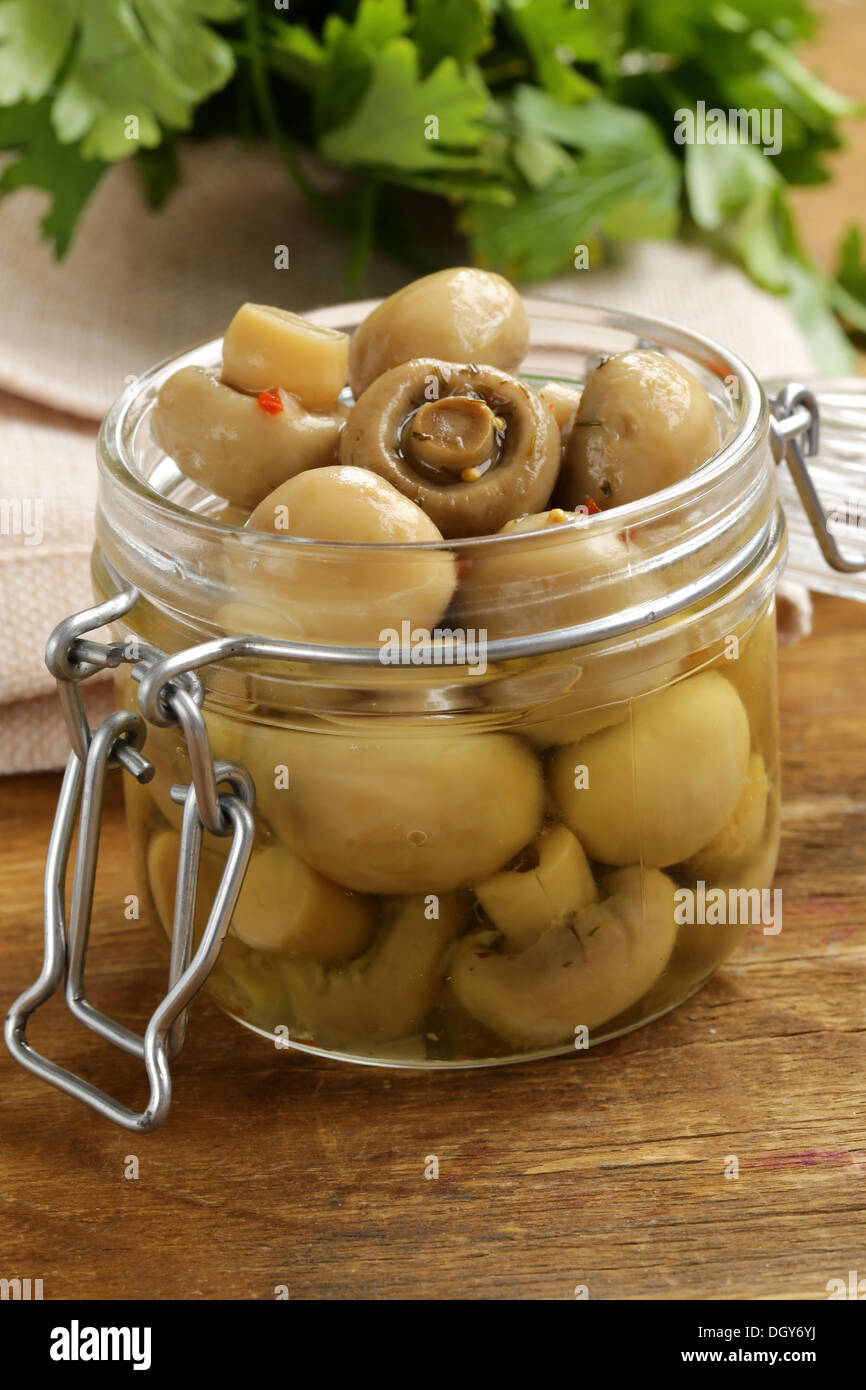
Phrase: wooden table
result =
(606, 1170)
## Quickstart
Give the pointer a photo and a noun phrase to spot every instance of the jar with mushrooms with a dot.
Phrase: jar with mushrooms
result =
(456, 864)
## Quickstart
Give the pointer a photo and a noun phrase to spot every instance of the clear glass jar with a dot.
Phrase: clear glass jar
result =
(548, 844)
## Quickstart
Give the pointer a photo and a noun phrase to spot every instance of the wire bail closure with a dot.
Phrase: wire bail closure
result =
(794, 436)
(117, 743)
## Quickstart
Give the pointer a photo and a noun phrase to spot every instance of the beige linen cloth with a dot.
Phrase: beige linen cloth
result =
(138, 286)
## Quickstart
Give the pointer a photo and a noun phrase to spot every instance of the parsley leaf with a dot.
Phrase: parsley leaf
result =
(622, 182)
(458, 29)
(407, 122)
(151, 60)
(46, 164)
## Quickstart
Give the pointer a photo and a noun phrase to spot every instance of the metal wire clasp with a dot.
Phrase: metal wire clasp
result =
(117, 743)
(794, 433)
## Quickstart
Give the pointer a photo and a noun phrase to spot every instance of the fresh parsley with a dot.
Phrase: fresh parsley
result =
(537, 125)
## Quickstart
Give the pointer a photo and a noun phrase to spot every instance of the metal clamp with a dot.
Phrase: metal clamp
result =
(117, 743)
(794, 433)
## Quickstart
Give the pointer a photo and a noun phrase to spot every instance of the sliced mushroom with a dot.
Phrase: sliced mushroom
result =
(394, 815)
(549, 880)
(471, 445)
(643, 423)
(227, 443)
(579, 973)
(459, 315)
(266, 348)
(385, 994)
(658, 787)
(351, 595)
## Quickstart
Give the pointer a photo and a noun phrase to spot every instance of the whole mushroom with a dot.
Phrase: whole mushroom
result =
(398, 814)
(644, 422)
(658, 787)
(459, 315)
(348, 594)
(285, 908)
(471, 445)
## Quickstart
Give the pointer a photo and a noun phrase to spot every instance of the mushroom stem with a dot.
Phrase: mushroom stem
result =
(456, 433)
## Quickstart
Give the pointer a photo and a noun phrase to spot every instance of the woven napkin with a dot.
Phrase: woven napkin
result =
(138, 286)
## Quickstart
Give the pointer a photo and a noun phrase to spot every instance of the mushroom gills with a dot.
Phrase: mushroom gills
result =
(471, 445)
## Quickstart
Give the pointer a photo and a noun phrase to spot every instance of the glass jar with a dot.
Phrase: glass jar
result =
(540, 829)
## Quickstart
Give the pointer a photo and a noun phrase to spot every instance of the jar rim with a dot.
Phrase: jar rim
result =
(113, 450)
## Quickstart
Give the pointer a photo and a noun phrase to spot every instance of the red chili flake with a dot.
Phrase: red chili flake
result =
(270, 402)
(462, 1057)
(592, 507)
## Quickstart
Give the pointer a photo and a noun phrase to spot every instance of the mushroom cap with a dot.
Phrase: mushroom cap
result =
(426, 813)
(353, 595)
(644, 422)
(458, 315)
(660, 785)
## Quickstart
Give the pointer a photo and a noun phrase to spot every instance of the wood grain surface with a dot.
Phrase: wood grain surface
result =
(606, 1170)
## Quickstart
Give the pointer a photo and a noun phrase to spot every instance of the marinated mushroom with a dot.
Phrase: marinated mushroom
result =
(426, 813)
(265, 349)
(644, 422)
(657, 788)
(566, 722)
(331, 595)
(556, 573)
(458, 315)
(469, 444)
(384, 994)
(740, 837)
(579, 973)
(236, 446)
(285, 908)
(702, 944)
(548, 880)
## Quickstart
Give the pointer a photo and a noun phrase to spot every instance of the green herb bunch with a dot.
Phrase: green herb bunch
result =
(525, 128)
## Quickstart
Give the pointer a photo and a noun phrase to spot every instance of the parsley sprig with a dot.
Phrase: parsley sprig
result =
(534, 126)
